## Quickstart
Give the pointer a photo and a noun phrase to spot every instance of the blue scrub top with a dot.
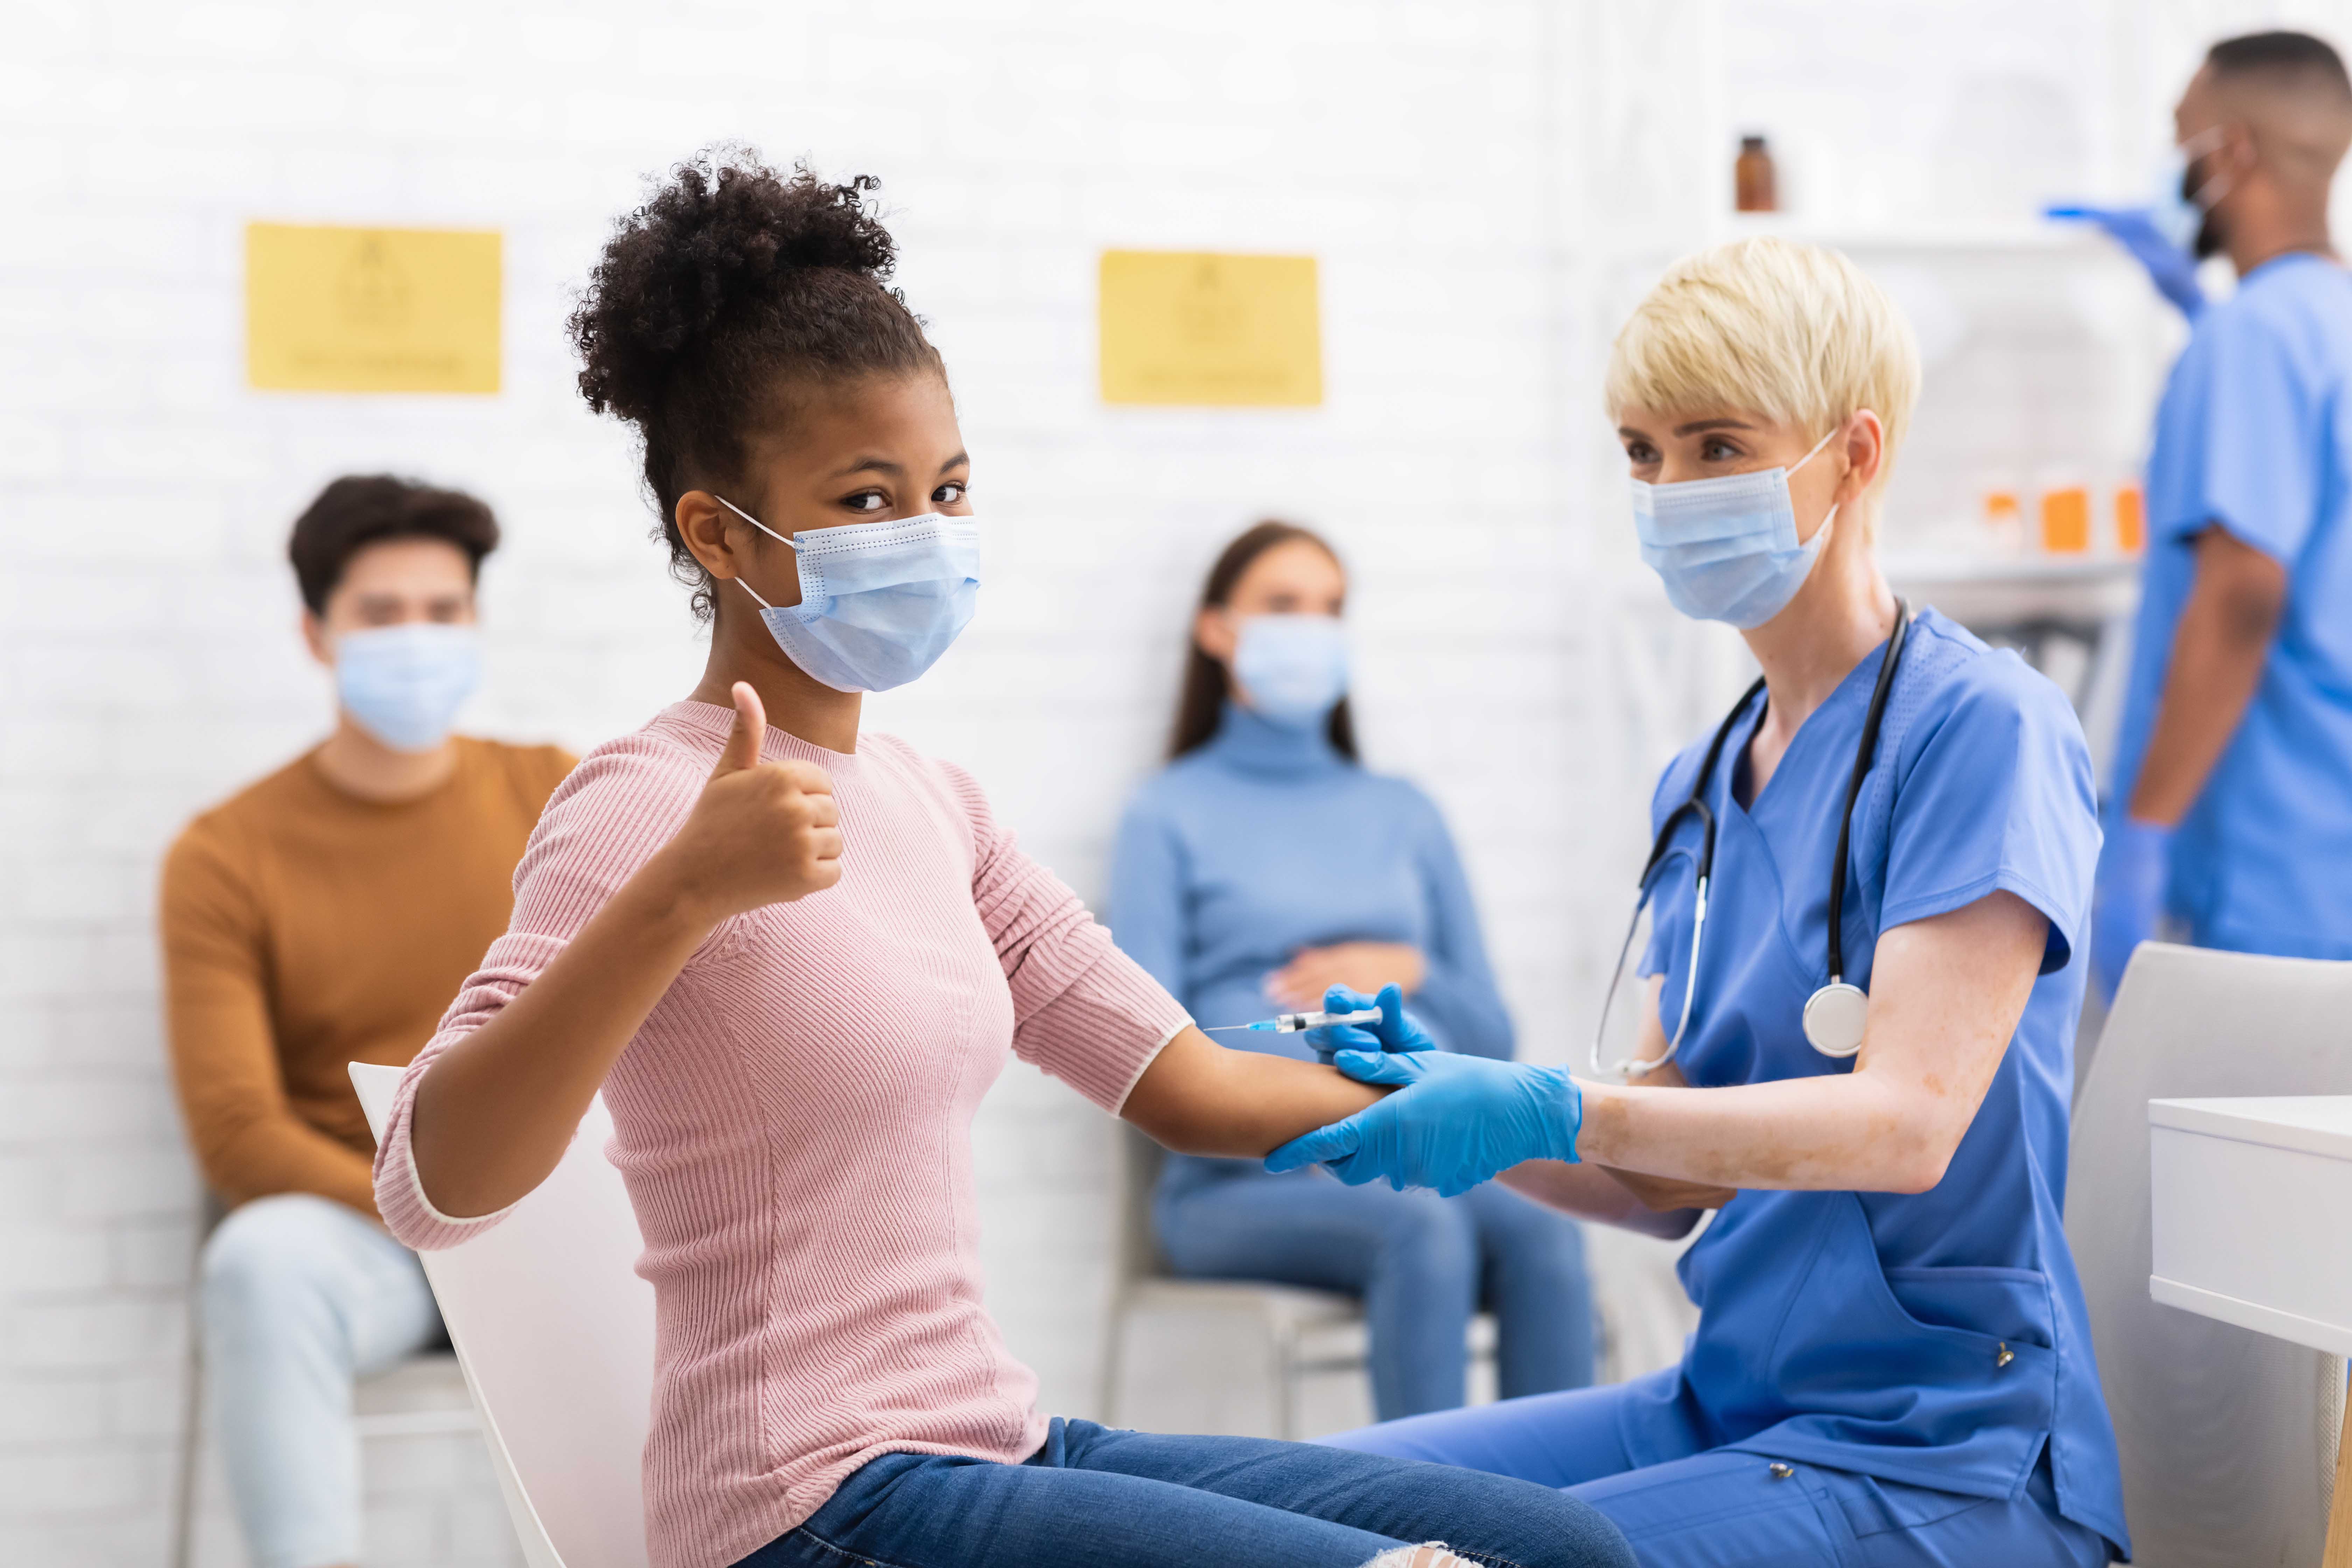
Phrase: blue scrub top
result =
(1939, 1338)
(2254, 435)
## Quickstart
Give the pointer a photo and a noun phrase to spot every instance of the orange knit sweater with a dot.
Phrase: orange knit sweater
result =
(304, 930)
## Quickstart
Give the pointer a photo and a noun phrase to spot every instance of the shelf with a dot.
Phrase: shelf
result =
(2066, 241)
(2081, 591)
(1939, 567)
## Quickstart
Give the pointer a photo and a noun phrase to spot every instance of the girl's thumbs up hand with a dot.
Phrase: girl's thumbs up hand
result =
(762, 833)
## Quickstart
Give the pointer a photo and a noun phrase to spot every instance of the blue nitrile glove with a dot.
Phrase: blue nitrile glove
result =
(2171, 269)
(1398, 1031)
(1454, 1122)
(2135, 862)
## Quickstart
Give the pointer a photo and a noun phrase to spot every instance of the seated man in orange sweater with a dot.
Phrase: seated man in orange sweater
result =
(328, 914)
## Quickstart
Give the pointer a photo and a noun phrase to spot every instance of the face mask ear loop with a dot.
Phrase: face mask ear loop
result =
(2213, 139)
(764, 527)
(2207, 197)
(1817, 447)
(2210, 140)
(758, 525)
(754, 522)
(1821, 532)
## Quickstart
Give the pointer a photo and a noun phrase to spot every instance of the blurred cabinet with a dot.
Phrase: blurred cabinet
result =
(2069, 617)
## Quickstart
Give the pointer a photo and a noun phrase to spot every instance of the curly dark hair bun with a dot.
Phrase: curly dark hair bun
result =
(732, 288)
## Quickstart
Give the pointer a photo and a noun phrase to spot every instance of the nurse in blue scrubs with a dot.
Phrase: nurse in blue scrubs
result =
(1855, 1005)
(2231, 808)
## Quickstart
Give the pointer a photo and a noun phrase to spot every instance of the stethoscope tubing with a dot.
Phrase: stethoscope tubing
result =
(1694, 803)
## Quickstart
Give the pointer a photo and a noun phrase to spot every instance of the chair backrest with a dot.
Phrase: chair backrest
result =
(2229, 1436)
(1136, 1253)
(555, 1332)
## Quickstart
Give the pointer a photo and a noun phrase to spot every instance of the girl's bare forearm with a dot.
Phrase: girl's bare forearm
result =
(495, 1109)
(1198, 1097)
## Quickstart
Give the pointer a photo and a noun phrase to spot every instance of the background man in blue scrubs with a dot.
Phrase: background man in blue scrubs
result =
(2232, 804)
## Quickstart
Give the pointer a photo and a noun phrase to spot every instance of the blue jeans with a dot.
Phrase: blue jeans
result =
(300, 1296)
(1095, 1497)
(1423, 1264)
(1732, 1509)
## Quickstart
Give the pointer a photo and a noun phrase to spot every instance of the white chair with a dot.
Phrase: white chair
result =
(555, 1333)
(2229, 1436)
(1216, 1347)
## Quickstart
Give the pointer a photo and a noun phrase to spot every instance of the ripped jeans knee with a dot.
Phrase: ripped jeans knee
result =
(1431, 1555)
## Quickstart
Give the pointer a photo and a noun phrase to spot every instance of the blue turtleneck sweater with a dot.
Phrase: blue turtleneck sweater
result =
(1266, 841)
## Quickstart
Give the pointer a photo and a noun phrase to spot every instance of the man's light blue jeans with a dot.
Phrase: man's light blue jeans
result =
(300, 1297)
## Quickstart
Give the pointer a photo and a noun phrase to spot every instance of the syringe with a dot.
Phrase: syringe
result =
(1291, 1023)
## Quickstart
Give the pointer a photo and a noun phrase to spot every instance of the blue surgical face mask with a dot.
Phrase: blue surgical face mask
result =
(2179, 215)
(879, 601)
(1293, 667)
(405, 684)
(1727, 549)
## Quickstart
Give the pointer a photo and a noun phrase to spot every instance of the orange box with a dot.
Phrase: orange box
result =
(2131, 520)
(2066, 520)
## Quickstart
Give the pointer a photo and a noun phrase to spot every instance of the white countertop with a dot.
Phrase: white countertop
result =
(2315, 1124)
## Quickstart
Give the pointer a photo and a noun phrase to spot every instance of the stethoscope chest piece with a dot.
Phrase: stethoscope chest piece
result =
(1835, 1016)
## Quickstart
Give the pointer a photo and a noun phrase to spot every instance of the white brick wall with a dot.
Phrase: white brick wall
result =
(1455, 163)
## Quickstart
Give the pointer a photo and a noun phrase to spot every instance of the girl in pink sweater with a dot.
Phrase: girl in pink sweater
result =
(794, 958)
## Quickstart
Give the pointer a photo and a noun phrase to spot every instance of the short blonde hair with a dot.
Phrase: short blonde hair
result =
(1791, 331)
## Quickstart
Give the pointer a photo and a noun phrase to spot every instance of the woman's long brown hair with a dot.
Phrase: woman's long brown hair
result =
(1202, 703)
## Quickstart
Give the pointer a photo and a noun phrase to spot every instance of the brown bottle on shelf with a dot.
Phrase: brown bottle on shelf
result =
(1754, 186)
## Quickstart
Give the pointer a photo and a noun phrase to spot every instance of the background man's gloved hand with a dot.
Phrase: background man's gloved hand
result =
(1454, 1122)
(2172, 270)
(2135, 862)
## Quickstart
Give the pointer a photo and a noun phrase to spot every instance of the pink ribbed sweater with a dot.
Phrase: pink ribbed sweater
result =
(793, 1121)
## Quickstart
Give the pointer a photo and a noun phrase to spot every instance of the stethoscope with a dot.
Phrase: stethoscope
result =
(1835, 1015)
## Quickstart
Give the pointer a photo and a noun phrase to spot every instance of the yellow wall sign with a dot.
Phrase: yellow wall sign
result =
(1196, 326)
(371, 310)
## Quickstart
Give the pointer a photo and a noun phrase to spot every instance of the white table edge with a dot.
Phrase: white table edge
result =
(2263, 1319)
(2223, 1119)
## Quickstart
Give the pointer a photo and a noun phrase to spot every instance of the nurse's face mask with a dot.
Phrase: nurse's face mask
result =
(2183, 205)
(1726, 548)
(879, 601)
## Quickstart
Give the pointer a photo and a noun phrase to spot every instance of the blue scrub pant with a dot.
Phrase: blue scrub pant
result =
(1423, 1264)
(1726, 1509)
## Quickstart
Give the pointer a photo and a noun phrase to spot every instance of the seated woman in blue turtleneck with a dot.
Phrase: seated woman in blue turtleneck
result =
(1264, 864)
